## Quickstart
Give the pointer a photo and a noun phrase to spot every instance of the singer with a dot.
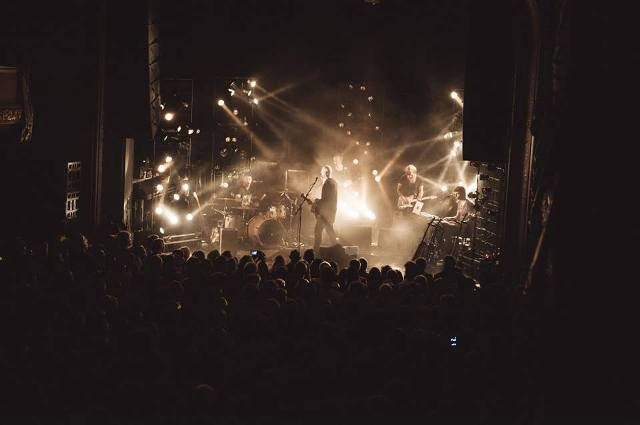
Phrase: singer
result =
(325, 208)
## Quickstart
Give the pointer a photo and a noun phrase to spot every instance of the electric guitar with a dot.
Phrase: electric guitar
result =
(405, 202)
(314, 204)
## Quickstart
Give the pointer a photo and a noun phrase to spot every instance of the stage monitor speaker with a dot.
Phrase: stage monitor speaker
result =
(359, 235)
(229, 241)
(488, 89)
(334, 253)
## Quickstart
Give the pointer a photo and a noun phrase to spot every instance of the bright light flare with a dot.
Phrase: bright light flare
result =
(374, 172)
(457, 144)
(185, 187)
(162, 168)
(220, 102)
(189, 217)
(253, 83)
(444, 188)
(173, 219)
(356, 161)
(256, 101)
(159, 210)
(378, 179)
(454, 95)
(224, 185)
(168, 159)
(190, 131)
(176, 197)
(162, 230)
(159, 188)
(168, 116)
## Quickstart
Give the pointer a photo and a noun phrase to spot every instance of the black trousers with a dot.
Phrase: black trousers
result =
(322, 224)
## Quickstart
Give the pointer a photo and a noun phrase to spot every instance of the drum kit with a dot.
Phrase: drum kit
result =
(258, 225)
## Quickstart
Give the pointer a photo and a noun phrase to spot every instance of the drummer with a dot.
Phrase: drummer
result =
(242, 191)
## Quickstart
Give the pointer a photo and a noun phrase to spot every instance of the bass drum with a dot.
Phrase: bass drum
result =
(265, 232)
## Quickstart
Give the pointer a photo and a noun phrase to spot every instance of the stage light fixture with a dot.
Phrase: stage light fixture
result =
(378, 179)
(374, 172)
(179, 129)
(220, 102)
(197, 131)
(255, 101)
(159, 210)
(176, 197)
(454, 95)
(173, 219)
(169, 116)
(444, 188)
(159, 188)
(356, 161)
(185, 187)
(162, 230)
(168, 159)
(189, 216)
(252, 83)
(162, 168)
(190, 131)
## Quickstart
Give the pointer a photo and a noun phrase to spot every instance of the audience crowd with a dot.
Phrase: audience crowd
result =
(114, 329)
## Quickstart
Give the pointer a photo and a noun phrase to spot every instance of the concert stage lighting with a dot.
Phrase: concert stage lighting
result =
(190, 131)
(159, 210)
(235, 112)
(255, 100)
(189, 217)
(355, 161)
(374, 172)
(162, 168)
(159, 188)
(378, 179)
(444, 188)
(457, 144)
(252, 83)
(173, 219)
(454, 95)
(169, 116)
(179, 129)
(220, 102)
(176, 197)
(168, 159)
(162, 230)
(185, 187)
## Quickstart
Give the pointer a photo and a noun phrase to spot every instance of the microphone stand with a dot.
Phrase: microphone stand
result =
(299, 210)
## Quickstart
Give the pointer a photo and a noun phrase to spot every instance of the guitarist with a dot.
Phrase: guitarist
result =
(325, 208)
(409, 187)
